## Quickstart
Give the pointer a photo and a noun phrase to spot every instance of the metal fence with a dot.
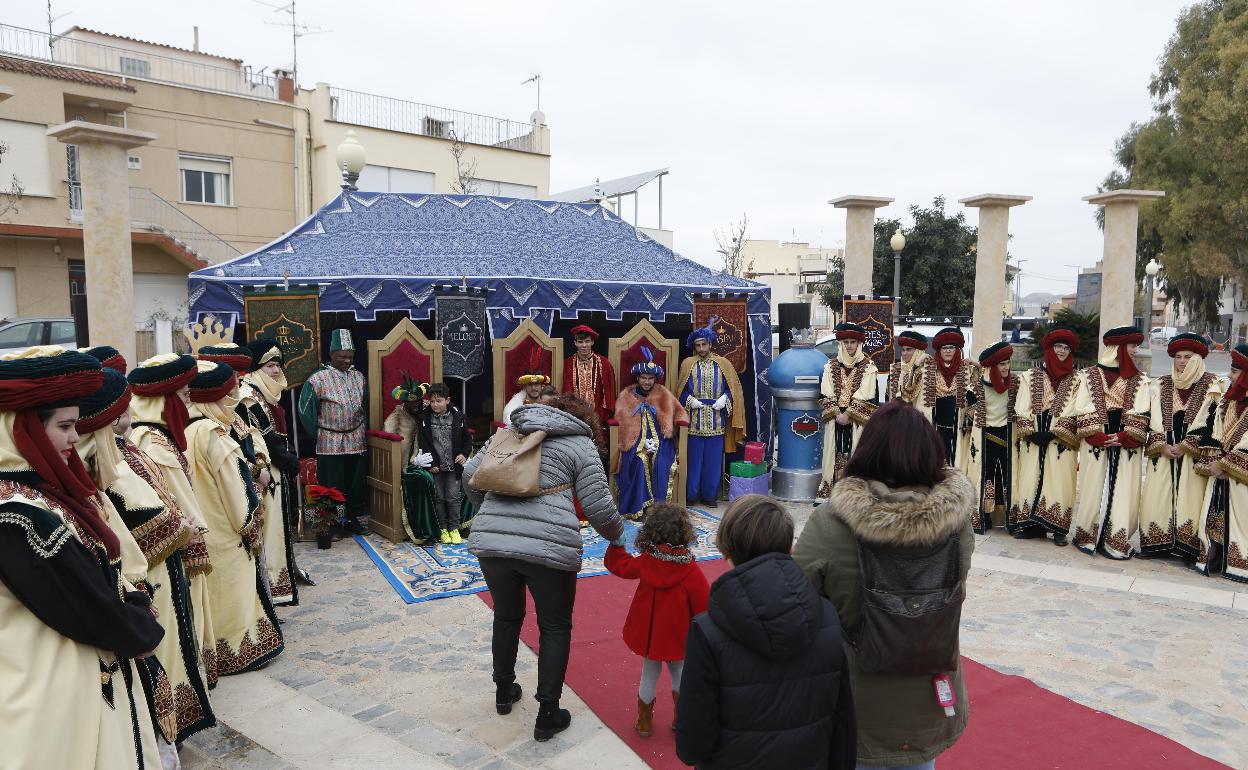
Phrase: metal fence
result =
(150, 212)
(390, 114)
(134, 63)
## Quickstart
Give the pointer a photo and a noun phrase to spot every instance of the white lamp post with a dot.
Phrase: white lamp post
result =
(1150, 271)
(897, 242)
(351, 158)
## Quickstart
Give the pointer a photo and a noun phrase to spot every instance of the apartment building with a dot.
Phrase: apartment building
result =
(795, 272)
(240, 157)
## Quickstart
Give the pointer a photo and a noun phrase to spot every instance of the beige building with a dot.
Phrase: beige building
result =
(795, 272)
(240, 157)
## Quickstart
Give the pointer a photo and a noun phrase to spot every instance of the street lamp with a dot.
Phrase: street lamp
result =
(898, 242)
(350, 156)
(1018, 287)
(1150, 271)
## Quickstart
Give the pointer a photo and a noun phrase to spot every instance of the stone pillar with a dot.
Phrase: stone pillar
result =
(859, 240)
(1118, 284)
(990, 254)
(106, 228)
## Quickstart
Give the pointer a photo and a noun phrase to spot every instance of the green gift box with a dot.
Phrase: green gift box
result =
(744, 470)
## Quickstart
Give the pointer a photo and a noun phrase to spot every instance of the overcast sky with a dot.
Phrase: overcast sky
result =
(765, 108)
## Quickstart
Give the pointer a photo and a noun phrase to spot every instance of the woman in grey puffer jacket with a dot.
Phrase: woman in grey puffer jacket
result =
(536, 542)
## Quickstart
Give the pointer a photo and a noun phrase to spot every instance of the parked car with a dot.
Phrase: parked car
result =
(17, 334)
(1162, 334)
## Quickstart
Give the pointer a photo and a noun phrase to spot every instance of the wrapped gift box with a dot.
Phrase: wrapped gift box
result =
(754, 485)
(746, 470)
(754, 451)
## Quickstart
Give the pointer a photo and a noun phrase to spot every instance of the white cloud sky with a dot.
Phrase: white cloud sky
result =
(764, 108)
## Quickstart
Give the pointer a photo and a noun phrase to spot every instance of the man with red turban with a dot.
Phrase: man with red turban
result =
(1223, 530)
(1045, 447)
(1181, 426)
(951, 378)
(908, 378)
(1111, 419)
(850, 395)
(989, 461)
(590, 375)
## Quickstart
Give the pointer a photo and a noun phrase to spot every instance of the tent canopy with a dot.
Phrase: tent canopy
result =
(389, 251)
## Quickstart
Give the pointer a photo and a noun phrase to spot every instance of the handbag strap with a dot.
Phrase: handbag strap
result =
(554, 490)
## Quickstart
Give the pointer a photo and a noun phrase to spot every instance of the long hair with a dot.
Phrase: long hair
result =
(899, 447)
(581, 410)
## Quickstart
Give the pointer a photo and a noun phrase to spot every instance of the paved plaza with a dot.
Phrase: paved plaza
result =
(367, 681)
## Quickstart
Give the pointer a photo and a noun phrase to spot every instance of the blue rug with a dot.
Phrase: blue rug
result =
(420, 574)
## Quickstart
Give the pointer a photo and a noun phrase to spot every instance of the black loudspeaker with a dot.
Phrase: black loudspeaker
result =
(793, 315)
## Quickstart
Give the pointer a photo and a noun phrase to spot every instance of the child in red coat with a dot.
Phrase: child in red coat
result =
(672, 590)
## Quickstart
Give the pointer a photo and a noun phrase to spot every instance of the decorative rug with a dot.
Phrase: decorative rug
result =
(419, 574)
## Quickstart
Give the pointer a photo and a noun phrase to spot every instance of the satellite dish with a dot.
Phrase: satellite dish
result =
(538, 118)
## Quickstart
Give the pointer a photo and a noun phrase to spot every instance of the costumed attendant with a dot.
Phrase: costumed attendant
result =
(530, 384)
(647, 414)
(175, 690)
(1111, 418)
(158, 430)
(1045, 446)
(1183, 414)
(242, 616)
(951, 376)
(331, 407)
(672, 590)
(420, 519)
(589, 375)
(709, 390)
(908, 378)
(69, 621)
(850, 394)
(1223, 530)
(989, 460)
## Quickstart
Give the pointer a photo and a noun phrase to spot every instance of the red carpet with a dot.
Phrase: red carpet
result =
(1014, 723)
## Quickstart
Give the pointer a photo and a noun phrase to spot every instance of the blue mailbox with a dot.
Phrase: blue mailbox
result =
(794, 378)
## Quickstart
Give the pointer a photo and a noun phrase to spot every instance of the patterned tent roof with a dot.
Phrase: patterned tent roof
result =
(375, 251)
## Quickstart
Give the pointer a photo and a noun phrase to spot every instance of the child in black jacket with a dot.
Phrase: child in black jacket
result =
(765, 683)
(444, 435)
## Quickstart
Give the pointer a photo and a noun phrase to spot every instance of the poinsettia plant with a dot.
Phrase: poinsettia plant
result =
(324, 509)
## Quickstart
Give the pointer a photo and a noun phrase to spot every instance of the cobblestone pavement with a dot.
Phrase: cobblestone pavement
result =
(368, 681)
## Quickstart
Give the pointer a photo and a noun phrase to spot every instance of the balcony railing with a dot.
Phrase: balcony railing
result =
(383, 112)
(150, 212)
(134, 63)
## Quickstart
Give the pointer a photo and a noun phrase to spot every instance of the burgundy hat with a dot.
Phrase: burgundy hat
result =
(1063, 335)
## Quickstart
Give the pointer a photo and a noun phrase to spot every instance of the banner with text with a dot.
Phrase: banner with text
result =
(731, 327)
(463, 329)
(293, 318)
(876, 316)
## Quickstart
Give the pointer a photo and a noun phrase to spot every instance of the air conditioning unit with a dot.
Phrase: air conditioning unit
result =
(442, 129)
(134, 163)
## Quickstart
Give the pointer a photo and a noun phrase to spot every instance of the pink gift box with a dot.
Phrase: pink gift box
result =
(754, 451)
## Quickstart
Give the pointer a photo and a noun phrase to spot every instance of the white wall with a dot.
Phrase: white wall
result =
(156, 293)
(8, 292)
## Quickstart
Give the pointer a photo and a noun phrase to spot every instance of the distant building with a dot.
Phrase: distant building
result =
(795, 272)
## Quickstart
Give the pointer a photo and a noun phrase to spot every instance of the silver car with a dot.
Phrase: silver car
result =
(18, 334)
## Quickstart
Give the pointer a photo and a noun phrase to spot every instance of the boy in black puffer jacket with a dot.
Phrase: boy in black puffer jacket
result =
(765, 682)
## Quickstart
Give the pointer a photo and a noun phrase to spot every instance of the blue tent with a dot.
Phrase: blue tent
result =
(374, 252)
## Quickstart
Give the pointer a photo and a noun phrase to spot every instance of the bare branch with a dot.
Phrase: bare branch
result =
(465, 182)
(10, 197)
(729, 244)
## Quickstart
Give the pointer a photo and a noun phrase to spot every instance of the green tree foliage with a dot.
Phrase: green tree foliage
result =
(1195, 147)
(1086, 325)
(937, 265)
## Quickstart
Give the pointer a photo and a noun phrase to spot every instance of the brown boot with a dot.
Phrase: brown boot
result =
(675, 702)
(645, 718)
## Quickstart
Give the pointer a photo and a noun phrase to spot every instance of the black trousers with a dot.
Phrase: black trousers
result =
(348, 473)
(554, 592)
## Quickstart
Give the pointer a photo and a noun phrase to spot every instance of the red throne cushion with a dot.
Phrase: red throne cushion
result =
(517, 361)
(404, 359)
(633, 355)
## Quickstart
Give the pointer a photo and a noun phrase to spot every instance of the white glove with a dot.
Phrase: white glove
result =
(423, 460)
(652, 446)
(720, 402)
(695, 404)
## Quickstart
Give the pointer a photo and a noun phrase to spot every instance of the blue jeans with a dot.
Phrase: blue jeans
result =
(921, 766)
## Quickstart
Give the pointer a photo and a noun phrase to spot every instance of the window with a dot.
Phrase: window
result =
(505, 189)
(26, 158)
(206, 179)
(136, 68)
(62, 333)
(400, 180)
(21, 335)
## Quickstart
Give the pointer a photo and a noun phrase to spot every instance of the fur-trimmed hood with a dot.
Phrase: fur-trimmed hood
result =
(905, 516)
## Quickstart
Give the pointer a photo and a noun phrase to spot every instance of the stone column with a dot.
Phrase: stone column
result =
(106, 228)
(990, 254)
(1118, 284)
(859, 240)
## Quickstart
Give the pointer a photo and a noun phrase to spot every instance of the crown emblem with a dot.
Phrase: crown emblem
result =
(210, 331)
(802, 338)
(283, 330)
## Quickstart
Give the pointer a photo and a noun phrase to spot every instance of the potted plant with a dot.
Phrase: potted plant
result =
(323, 512)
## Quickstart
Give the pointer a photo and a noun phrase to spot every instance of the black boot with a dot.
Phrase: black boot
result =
(550, 720)
(710, 503)
(1027, 533)
(354, 526)
(505, 695)
(1060, 539)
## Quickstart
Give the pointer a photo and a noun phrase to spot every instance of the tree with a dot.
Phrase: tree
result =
(465, 182)
(937, 265)
(729, 244)
(1086, 325)
(10, 197)
(1195, 147)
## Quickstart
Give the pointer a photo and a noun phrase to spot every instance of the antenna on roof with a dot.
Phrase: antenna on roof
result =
(297, 30)
(51, 20)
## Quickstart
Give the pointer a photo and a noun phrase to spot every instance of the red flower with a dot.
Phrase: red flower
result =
(316, 490)
(334, 494)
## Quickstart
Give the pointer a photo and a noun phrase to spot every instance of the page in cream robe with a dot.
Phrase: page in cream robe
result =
(846, 390)
(1046, 475)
